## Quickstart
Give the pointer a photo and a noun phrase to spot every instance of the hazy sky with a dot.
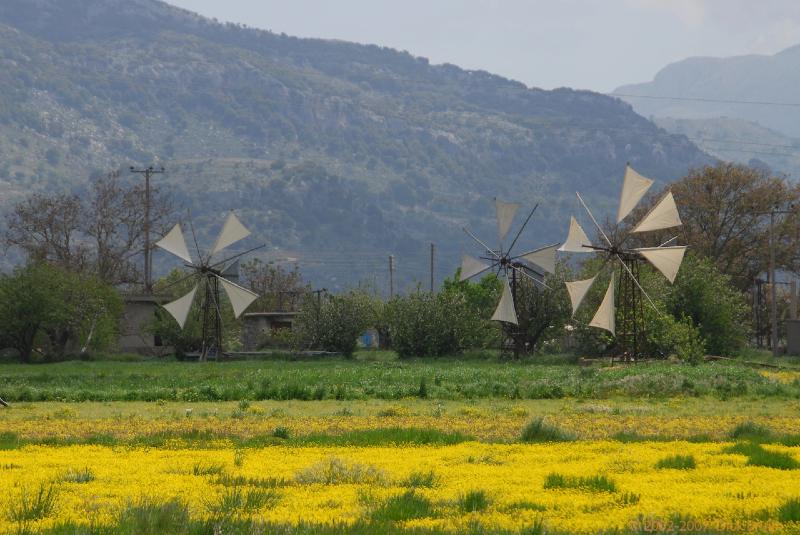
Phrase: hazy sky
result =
(591, 44)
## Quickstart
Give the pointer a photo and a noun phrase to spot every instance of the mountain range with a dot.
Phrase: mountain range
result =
(336, 154)
(741, 108)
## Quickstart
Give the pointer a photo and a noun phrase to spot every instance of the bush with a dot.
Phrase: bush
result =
(667, 336)
(707, 298)
(433, 325)
(334, 322)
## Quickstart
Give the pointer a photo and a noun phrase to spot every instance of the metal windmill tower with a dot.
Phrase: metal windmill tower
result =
(502, 261)
(621, 311)
(209, 276)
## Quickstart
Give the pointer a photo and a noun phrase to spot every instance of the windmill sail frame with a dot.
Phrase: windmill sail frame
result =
(622, 311)
(210, 276)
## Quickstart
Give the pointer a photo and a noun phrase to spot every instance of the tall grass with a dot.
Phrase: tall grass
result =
(757, 455)
(597, 483)
(335, 471)
(34, 506)
(406, 506)
(537, 430)
(677, 462)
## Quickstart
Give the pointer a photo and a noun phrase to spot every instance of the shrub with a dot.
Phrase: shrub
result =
(667, 336)
(538, 430)
(433, 325)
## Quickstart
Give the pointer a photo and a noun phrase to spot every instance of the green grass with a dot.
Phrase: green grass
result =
(598, 483)
(474, 500)
(335, 471)
(235, 500)
(31, 506)
(421, 479)
(677, 462)
(406, 506)
(150, 518)
(81, 475)
(789, 511)
(537, 430)
(386, 378)
(757, 455)
(753, 432)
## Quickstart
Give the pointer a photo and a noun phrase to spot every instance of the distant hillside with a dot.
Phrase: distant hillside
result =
(743, 78)
(737, 140)
(334, 153)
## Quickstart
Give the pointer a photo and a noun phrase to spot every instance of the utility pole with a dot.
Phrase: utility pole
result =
(773, 306)
(433, 252)
(391, 276)
(148, 262)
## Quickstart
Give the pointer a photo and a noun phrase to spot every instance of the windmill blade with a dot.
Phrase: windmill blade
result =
(505, 215)
(577, 290)
(604, 317)
(179, 309)
(471, 266)
(175, 243)
(596, 224)
(232, 231)
(665, 259)
(576, 239)
(544, 257)
(232, 271)
(241, 298)
(505, 308)
(634, 188)
(524, 273)
(662, 215)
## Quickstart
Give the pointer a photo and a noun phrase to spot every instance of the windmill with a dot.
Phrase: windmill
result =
(629, 331)
(531, 265)
(209, 276)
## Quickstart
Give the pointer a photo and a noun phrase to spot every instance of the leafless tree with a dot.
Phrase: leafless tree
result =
(102, 235)
(279, 288)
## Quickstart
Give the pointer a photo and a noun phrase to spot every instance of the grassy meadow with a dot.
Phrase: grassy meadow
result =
(380, 445)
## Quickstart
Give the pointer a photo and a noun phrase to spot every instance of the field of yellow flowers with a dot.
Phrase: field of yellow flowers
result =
(669, 466)
(509, 487)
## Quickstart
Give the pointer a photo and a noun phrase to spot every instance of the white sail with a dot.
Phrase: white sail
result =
(232, 231)
(545, 258)
(665, 259)
(634, 188)
(471, 266)
(576, 239)
(179, 309)
(174, 243)
(505, 216)
(662, 215)
(577, 291)
(240, 297)
(604, 317)
(505, 309)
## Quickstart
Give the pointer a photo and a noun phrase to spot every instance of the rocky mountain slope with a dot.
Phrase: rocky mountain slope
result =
(336, 154)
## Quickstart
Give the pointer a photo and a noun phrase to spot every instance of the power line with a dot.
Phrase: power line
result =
(714, 100)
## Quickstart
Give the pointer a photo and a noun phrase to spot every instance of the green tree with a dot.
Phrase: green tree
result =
(62, 310)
